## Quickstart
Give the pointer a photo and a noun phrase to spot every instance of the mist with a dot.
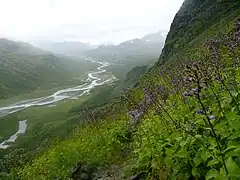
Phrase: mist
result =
(92, 21)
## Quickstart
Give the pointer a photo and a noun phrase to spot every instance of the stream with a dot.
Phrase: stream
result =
(21, 130)
(69, 93)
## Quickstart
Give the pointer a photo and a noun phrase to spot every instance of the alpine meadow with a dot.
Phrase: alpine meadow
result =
(152, 107)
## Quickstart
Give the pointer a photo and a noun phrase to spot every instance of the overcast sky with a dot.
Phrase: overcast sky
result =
(93, 21)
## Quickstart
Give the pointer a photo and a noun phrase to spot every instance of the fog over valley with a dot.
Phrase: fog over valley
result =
(92, 21)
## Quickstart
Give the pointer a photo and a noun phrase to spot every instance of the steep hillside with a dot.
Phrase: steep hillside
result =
(134, 75)
(182, 120)
(197, 21)
(24, 68)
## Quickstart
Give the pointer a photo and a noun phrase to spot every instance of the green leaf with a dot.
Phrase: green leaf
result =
(231, 115)
(183, 143)
(221, 129)
(232, 167)
(197, 161)
(230, 148)
(198, 136)
(235, 152)
(213, 173)
(233, 120)
(169, 152)
(213, 162)
(235, 135)
(206, 155)
(195, 172)
(182, 153)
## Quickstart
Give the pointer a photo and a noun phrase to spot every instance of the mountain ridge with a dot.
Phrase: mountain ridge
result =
(192, 20)
(24, 68)
(133, 47)
(181, 120)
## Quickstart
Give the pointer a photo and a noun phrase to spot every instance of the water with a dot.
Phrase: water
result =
(21, 130)
(69, 93)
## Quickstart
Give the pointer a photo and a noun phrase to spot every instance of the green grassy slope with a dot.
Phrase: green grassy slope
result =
(24, 68)
(181, 121)
(46, 125)
(195, 22)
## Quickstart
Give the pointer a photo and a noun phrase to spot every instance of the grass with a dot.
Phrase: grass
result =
(8, 127)
(46, 126)
(60, 159)
(24, 69)
(182, 123)
(190, 29)
(43, 120)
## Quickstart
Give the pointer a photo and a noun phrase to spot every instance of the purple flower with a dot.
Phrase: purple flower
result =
(231, 45)
(195, 90)
(150, 97)
(212, 117)
(188, 79)
(135, 115)
(185, 94)
(199, 111)
(174, 81)
(238, 30)
(142, 106)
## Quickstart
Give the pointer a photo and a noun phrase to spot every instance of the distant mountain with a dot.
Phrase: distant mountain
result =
(24, 68)
(148, 46)
(155, 37)
(19, 47)
(69, 48)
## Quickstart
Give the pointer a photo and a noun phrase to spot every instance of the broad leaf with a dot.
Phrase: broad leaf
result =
(212, 174)
(232, 167)
(213, 162)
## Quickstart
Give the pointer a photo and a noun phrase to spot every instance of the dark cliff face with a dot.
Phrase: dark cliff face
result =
(194, 18)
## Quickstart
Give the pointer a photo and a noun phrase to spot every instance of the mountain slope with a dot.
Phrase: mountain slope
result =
(180, 122)
(19, 47)
(24, 68)
(134, 75)
(147, 47)
(198, 20)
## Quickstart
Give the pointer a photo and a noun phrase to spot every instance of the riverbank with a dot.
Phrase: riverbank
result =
(52, 108)
(21, 130)
(69, 93)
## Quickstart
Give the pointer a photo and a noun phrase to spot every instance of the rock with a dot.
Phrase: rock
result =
(134, 177)
(112, 172)
(85, 176)
(82, 172)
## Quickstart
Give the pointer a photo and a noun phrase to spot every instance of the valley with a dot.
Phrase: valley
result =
(148, 107)
(74, 93)
(70, 93)
(52, 113)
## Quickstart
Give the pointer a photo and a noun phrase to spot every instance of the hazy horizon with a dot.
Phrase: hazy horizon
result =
(92, 21)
